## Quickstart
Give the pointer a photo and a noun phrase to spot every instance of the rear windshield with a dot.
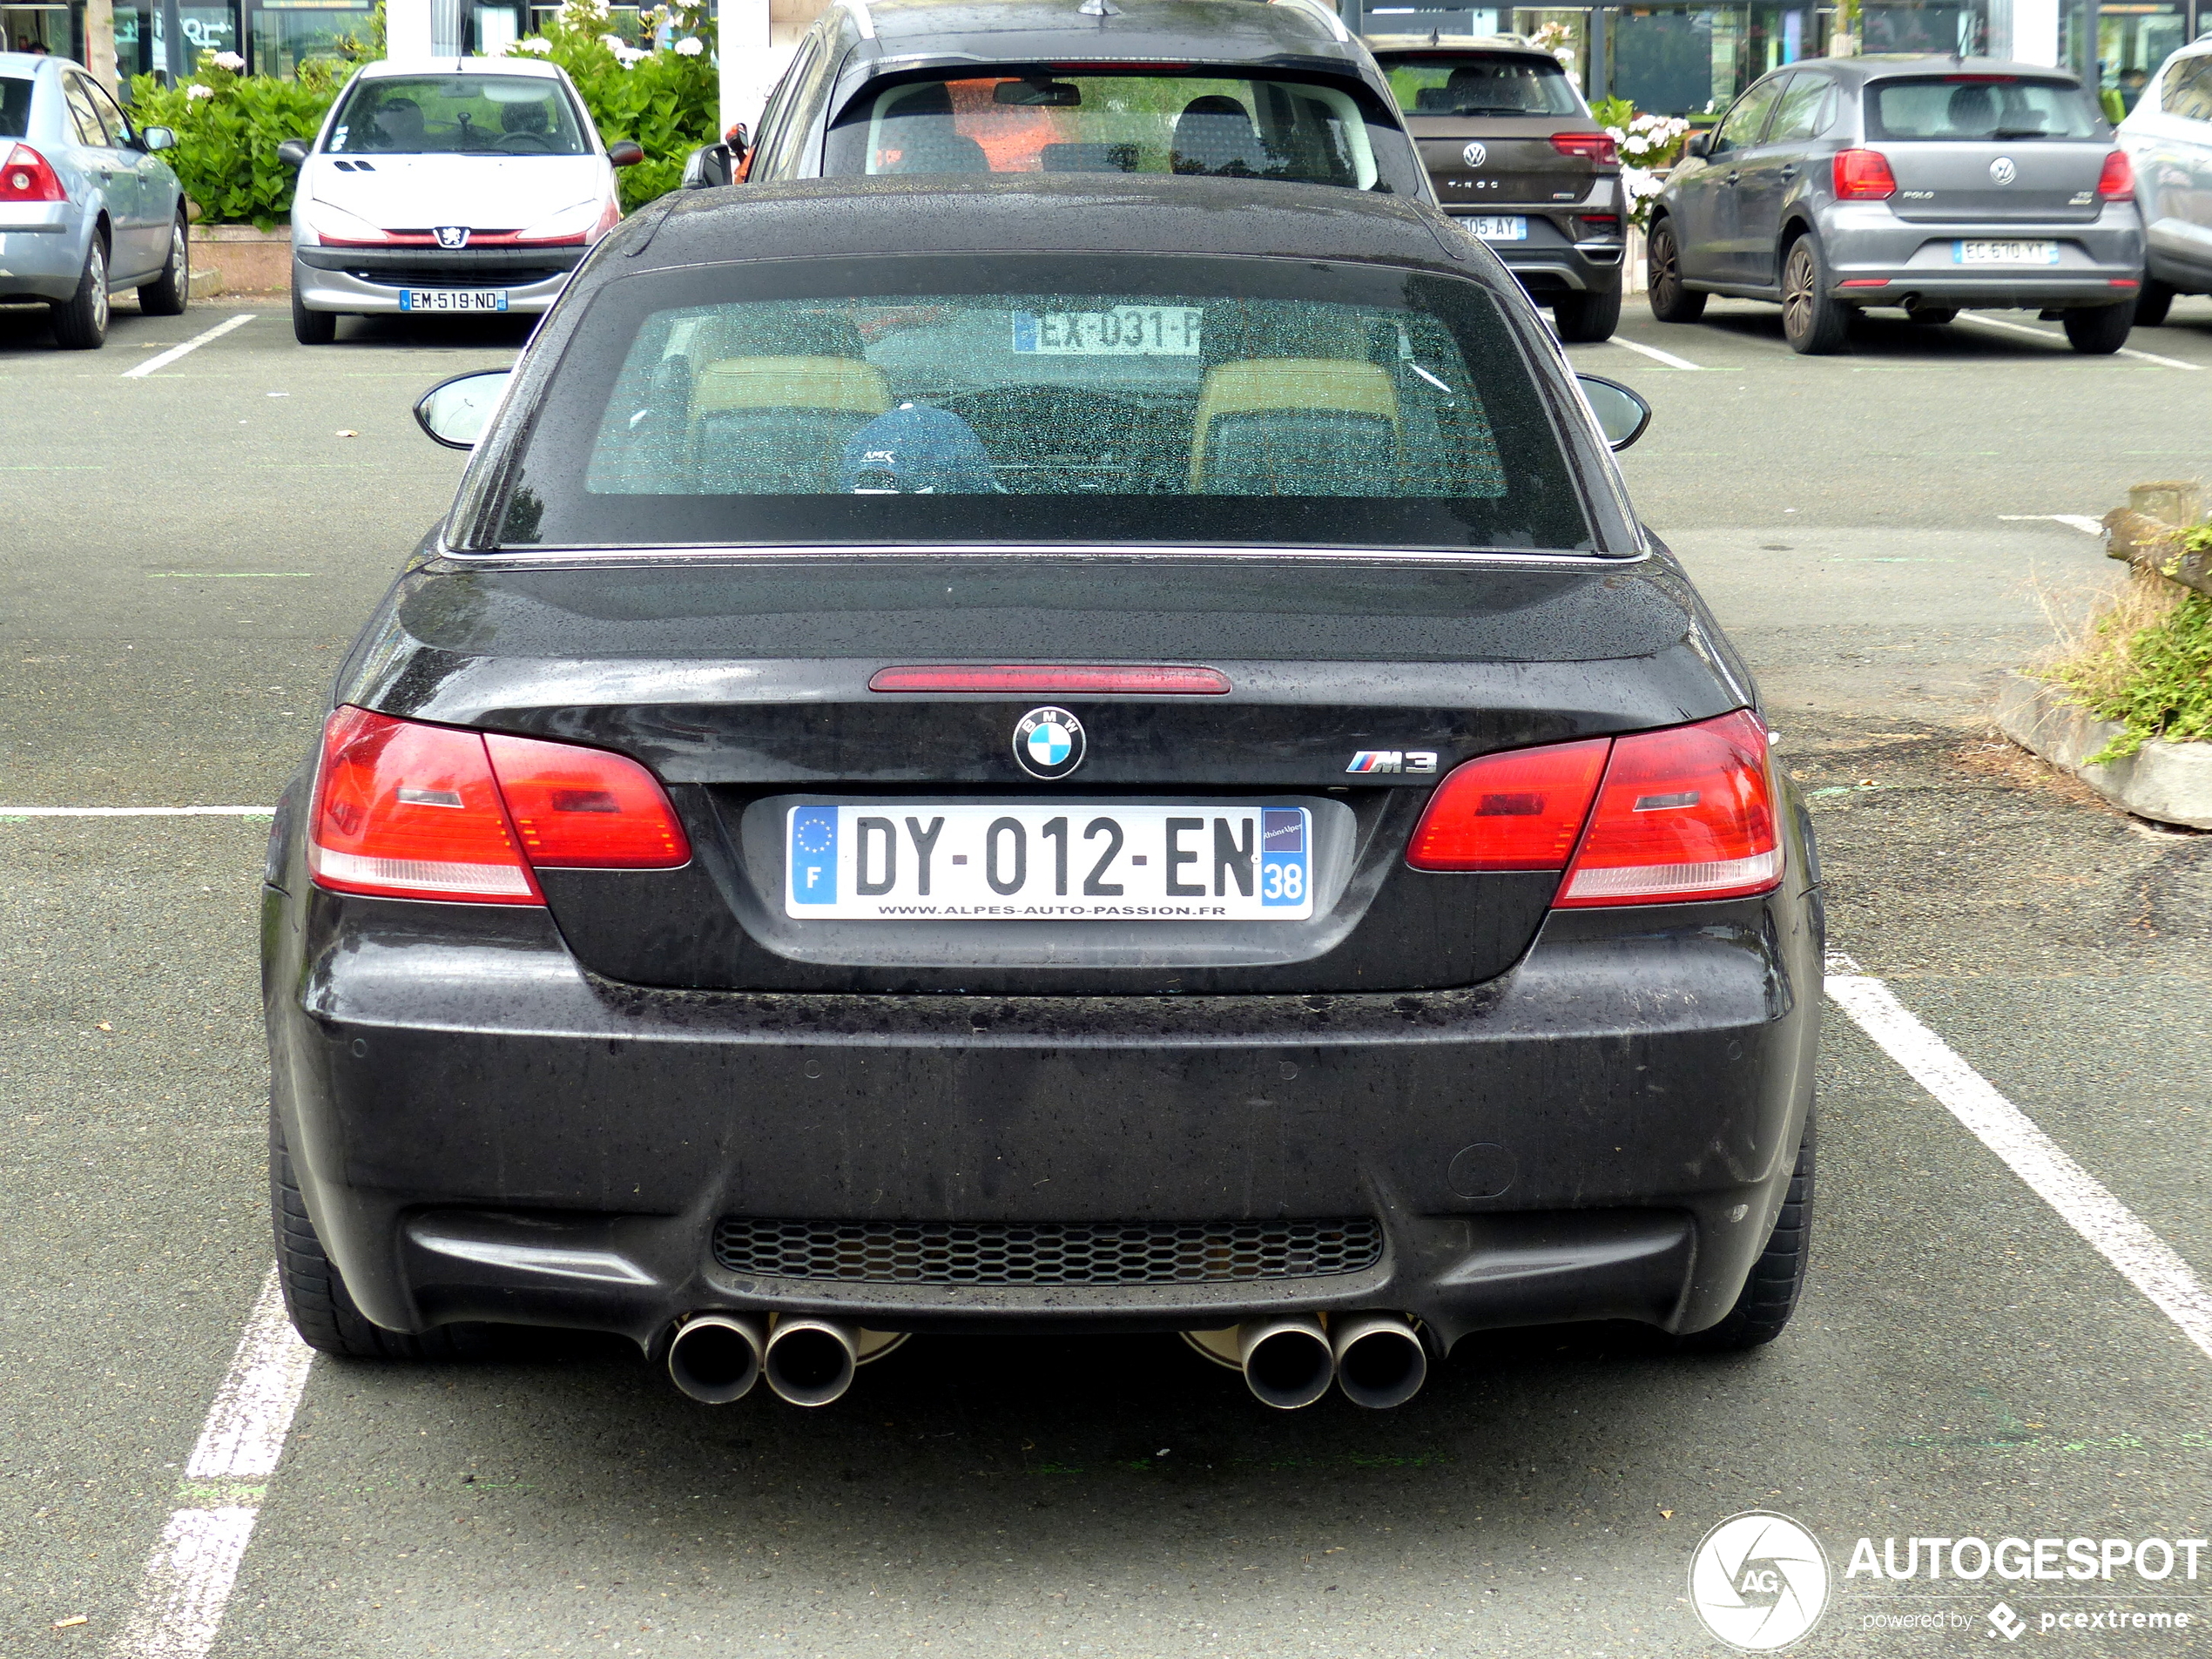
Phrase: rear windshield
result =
(1303, 131)
(1990, 107)
(1479, 84)
(502, 114)
(15, 107)
(923, 399)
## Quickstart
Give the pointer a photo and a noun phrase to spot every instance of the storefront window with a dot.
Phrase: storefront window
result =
(1909, 26)
(29, 27)
(1678, 60)
(2133, 40)
(288, 33)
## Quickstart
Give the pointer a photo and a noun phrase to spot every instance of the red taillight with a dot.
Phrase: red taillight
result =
(585, 809)
(1864, 176)
(1683, 813)
(405, 811)
(1521, 809)
(26, 176)
(1025, 678)
(2117, 182)
(1590, 147)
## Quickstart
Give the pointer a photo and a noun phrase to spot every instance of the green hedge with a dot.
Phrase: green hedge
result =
(228, 125)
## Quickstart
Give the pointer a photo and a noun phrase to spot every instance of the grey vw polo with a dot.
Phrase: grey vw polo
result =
(1034, 754)
(1928, 183)
(86, 204)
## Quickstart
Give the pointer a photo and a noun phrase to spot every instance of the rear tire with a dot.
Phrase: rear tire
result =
(169, 294)
(312, 327)
(1770, 1293)
(1585, 319)
(2099, 331)
(80, 321)
(1815, 323)
(314, 1292)
(2153, 303)
(1670, 301)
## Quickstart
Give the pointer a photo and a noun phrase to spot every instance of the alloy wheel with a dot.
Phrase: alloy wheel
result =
(96, 268)
(1664, 262)
(177, 256)
(1797, 279)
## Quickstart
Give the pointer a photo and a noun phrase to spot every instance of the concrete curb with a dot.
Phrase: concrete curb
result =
(2168, 782)
(245, 261)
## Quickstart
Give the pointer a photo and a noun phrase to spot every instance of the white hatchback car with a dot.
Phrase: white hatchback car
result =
(472, 186)
(2169, 137)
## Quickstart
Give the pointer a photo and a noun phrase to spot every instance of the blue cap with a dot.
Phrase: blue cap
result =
(917, 450)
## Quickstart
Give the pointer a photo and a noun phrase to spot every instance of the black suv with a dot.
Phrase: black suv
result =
(1517, 156)
(1222, 88)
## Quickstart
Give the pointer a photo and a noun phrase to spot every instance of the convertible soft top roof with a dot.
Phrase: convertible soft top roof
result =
(1043, 213)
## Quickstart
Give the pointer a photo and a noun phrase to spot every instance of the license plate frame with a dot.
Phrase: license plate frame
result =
(1056, 864)
(453, 302)
(2004, 250)
(1499, 227)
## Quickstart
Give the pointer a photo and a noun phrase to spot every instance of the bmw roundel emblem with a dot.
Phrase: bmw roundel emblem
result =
(1475, 155)
(1049, 743)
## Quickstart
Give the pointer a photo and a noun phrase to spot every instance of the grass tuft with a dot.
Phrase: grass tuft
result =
(2143, 658)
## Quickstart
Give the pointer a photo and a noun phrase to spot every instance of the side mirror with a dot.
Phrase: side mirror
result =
(1697, 144)
(153, 140)
(294, 153)
(455, 412)
(709, 167)
(1622, 415)
(625, 154)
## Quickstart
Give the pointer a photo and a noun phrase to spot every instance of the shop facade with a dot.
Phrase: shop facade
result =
(1691, 58)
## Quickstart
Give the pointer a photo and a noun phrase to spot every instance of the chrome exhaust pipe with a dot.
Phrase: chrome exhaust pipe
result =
(1287, 1361)
(715, 1358)
(1381, 1360)
(810, 1361)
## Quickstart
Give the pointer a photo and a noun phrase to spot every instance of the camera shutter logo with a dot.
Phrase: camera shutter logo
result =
(1475, 155)
(2003, 170)
(1758, 1582)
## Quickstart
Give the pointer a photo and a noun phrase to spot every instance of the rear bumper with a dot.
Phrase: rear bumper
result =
(1866, 245)
(42, 250)
(372, 279)
(1549, 262)
(483, 1131)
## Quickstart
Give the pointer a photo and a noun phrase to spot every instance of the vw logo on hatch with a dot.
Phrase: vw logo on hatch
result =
(452, 235)
(2003, 170)
(1475, 155)
(1049, 743)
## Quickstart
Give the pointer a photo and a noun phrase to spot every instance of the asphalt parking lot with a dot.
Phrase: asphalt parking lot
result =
(187, 552)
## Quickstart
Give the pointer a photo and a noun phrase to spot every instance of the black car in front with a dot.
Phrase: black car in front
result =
(1130, 772)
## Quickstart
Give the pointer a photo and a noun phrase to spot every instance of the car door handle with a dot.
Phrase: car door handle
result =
(1790, 171)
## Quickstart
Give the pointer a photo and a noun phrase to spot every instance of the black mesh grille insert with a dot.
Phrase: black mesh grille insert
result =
(917, 1252)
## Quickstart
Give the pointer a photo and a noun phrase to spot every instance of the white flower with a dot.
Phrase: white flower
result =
(690, 46)
(230, 61)
(612, 42)
(536, 45)
(197, 91)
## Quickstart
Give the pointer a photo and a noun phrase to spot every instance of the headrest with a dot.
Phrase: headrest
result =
(791, 384)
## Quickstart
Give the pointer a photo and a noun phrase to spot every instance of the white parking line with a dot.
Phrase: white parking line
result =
(138, 812)
(193, 344)
(1654, 353)
(2081, 521)
(2044, 333)
(189, 1579)
(2112, 1229)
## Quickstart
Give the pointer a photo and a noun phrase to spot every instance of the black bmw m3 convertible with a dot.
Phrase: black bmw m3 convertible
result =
(1025, 755)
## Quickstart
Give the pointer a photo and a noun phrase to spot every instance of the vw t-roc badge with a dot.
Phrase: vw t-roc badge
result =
(1049, 743)
(1475, 155)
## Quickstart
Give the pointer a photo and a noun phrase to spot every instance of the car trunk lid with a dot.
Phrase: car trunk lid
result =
(1996, 148)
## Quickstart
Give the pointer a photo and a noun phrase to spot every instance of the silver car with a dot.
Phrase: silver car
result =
(2169, 137)
(86, 204)
(1929, 183)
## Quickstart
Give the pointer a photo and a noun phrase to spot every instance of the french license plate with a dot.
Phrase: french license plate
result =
(2003, 254)
(453, 299)
(1125, 331)
(915, 862)
(1500, 228)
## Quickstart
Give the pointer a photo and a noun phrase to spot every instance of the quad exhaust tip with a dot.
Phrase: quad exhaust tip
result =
(1377, 1358)
(715, 1358)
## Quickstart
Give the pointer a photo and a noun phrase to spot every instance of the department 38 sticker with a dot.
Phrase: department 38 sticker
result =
(1758, 1582)
(1049, 743)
